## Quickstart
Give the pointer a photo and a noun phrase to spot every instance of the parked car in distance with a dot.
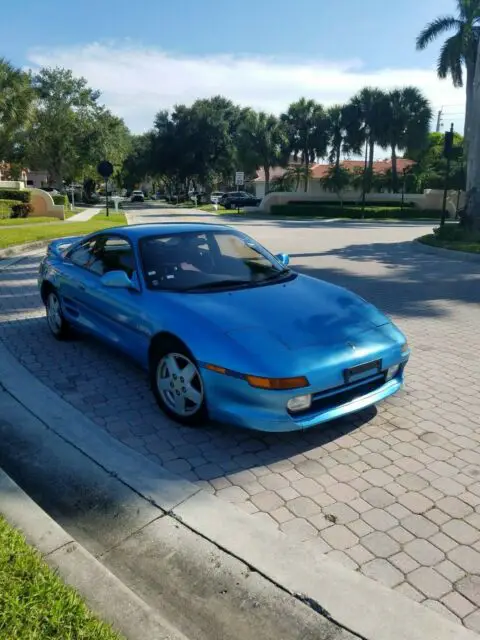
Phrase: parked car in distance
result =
(239, 199)
(216, 196)
(137, 196)
(226, 329)
(197, 196)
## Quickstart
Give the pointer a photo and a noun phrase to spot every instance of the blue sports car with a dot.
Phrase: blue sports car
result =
(225, 329)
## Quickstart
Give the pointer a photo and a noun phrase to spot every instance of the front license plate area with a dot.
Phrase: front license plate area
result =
(362, 371)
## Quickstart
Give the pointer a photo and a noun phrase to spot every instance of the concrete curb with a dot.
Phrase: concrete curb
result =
(105, 594)
(451, 254)
(22, 250)
(348, 598)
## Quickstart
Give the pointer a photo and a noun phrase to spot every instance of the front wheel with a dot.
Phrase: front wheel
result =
(177, 384)
(57, 324)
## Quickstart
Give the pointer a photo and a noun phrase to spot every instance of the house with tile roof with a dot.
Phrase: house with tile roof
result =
(319, 170)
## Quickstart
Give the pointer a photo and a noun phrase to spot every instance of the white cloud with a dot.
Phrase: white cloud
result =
(136, 82)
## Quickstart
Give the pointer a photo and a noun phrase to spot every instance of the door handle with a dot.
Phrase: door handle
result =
(82, 287)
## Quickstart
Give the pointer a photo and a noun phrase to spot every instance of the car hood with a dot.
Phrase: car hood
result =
(298, 313)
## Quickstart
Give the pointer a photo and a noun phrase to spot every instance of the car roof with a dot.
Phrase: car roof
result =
(137, 231)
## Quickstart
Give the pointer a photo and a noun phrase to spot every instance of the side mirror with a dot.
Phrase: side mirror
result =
(117, 280)
(283, 258)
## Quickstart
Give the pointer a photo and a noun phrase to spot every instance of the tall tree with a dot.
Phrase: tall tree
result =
(366, 125)
(65, 106)
(343, 122)
(307, 130)
(16, 97)
(262, 141)
(405, 118)
(473, 162)
(459, 50)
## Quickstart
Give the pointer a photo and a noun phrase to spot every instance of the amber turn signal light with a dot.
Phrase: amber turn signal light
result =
(277, 383)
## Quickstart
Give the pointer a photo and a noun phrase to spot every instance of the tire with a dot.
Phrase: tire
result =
(228, 205)
(180, 398)
(59, 327)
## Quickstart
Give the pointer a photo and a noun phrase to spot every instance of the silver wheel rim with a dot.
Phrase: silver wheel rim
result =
(179, 384)
(54, 314)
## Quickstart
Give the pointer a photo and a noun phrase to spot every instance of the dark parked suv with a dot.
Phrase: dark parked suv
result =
(239, 199)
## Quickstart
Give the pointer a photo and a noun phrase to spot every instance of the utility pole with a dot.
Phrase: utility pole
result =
(448, 152)
(439, 120)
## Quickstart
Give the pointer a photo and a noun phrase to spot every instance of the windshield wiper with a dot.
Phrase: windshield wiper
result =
(276, 275)
(219, 284)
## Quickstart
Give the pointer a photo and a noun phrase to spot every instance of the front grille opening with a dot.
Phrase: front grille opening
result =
(343, 396)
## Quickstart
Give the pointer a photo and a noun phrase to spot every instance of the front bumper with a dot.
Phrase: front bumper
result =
(234, 401)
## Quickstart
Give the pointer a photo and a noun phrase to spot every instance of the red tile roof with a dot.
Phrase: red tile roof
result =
(320, 169)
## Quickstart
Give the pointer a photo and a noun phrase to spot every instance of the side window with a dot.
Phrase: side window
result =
(118, 255)
(83, 254)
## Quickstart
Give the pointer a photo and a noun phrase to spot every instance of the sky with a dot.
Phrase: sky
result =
(152, 54)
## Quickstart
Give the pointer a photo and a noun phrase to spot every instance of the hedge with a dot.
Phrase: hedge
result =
(355, 212)
(6, 207)
(61, 199)
(385, 204)
(18, 195)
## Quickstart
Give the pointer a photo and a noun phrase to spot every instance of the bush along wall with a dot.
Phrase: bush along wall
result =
(21, 210)
(60, 199)
(355, 212)
(15, 194)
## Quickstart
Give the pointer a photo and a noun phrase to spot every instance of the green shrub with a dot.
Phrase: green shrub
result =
(6, 208)
(384, 204)
(355, 212)
(61, 199)
(15, 194)
(456, 233)
(21, 210)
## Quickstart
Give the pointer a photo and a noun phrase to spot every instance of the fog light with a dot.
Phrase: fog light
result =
(392, 372)
(299, 403)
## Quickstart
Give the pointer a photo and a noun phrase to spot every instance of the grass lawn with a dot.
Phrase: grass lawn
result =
(34, 602)
(7, 222)
(11, 237)
(470, 245)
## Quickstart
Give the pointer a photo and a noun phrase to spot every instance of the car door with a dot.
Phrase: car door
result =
(74, 279)
(118, 314)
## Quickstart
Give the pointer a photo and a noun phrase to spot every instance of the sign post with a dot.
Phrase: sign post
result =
(105, 169)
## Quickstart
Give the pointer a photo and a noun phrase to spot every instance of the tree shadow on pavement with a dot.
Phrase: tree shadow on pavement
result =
(398, 278)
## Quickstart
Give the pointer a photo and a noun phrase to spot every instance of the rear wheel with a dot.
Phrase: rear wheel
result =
(177, 383)
(57, 324)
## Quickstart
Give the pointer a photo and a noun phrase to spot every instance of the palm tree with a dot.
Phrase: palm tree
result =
(405, 117)
(262, 142)
(16, 96)
(341, 119)
(473, 162)
(366, 125)
(307, 130)
(297, 174)
(458, 50)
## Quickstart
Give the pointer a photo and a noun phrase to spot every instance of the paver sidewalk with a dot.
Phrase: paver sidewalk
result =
(85, 215)
(393, 494)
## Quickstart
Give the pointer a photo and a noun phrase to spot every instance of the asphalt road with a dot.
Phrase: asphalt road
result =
(392, 492)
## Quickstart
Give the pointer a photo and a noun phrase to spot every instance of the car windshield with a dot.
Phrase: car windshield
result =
(206, 261)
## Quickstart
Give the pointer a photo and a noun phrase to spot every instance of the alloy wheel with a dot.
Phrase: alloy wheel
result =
(179, 384)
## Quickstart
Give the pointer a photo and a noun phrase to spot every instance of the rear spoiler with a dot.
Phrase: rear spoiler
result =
(60, 246)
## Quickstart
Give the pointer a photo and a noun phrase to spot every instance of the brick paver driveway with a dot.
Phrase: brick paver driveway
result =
(393, 493)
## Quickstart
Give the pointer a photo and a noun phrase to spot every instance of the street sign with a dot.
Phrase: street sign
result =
(240, 178)
(105, 169)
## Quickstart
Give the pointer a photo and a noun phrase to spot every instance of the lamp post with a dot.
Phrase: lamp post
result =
(367, 140)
